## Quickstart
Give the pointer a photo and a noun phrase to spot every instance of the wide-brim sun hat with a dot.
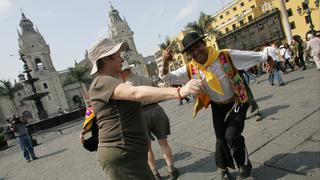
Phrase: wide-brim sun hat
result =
(103, 48)
(190, 39)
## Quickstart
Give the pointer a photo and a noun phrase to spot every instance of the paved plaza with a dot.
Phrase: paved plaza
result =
(285, 144)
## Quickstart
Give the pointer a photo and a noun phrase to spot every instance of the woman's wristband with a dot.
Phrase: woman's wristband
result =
(179, 95)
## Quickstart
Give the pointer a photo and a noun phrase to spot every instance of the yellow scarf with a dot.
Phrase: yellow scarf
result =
(203, 100)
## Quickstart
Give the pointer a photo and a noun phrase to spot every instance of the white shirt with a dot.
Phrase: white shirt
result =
(272, 51)
(241, 60)
(285, 53)
(314, 46)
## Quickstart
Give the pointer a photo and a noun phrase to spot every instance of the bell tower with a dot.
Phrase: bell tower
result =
(119, 31)
(37, 55)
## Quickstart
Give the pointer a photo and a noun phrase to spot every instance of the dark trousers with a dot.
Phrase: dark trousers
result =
(287, 63)
(230, 143)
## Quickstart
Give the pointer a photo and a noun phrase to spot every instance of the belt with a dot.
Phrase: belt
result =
(224, 102)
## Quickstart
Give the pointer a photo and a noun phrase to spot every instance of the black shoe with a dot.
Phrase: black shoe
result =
(224, 175)
(271, 84)
(35, 158)
(245, 170)
(304, 68)
(174, 174)
(28, 160)
(157, 176)
(282, 84)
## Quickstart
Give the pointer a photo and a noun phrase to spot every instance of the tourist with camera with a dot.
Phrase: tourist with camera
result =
(18, 126)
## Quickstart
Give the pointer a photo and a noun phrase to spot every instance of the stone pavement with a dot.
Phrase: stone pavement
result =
(285, 144)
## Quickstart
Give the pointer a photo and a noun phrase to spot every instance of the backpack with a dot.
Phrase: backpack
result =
(90, 123)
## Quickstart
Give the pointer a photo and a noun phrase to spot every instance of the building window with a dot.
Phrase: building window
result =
(307, 18)
(250, 18)
(22, 103)
(234, 8)
(221, 16)
(227, 30)
(241, 23)
(234, 26)
(39, 64)
(227, 13)
(242, 4)
(19, 94)
(289, 11)
(49, 98)
(214, 19)
(305, 6)
(292, 25)
(45, 85)
(287, 1)
(253, 6)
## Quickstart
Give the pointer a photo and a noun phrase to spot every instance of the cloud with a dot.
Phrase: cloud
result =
(5, 6)
(188, 10)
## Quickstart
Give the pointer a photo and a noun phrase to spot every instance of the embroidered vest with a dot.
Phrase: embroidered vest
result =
(230, 72)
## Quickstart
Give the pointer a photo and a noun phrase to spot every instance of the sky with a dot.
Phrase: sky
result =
(69, 27)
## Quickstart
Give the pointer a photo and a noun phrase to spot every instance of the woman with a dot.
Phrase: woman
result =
(123, 147)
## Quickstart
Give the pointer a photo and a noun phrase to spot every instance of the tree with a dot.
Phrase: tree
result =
(78, 74)
(202, 25)
(6, 89)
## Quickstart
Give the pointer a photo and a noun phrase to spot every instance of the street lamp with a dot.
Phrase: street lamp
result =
(306, 9)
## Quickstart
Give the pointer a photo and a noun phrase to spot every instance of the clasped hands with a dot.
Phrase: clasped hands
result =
(194, 86)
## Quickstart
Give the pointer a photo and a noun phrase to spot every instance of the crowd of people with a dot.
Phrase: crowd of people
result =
(287, 57)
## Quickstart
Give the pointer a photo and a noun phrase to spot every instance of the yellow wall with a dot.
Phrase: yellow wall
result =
(255, 9)
(229, 18)
(299, 20)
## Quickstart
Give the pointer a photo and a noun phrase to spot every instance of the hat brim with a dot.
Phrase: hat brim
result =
(119, 47)
(190, 44)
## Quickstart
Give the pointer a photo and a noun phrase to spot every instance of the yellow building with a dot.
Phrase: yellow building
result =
(240, 12)
(235, 15)
(300, 23)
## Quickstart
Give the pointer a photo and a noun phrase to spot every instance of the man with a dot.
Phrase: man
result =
(274, 72)
(156, 121)
(313, 47)
(224, 90)
(18, 126)
(298, 50)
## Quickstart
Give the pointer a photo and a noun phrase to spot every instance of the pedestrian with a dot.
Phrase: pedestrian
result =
(285, 54)
(274, 71)
(18, 126)
(298, 50)
(224, 91)
(123, 147)
(313, 47)
(156, 121)
(247, 75)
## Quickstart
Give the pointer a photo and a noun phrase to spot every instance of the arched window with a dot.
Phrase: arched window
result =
(39, 64)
